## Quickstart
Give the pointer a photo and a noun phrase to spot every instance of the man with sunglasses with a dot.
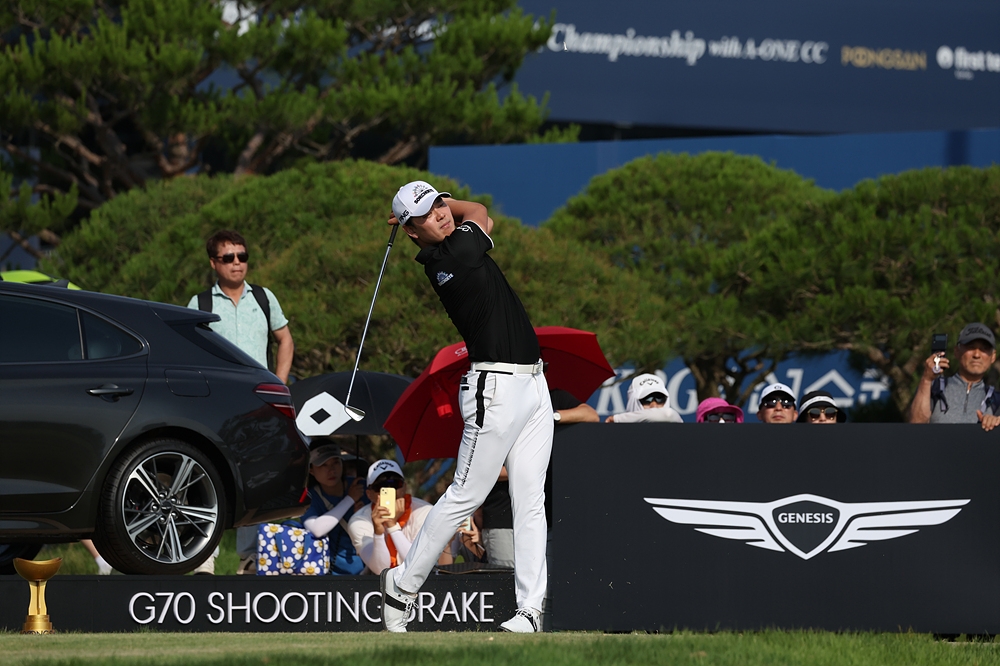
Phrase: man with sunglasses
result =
(247, 314)
(647, 403)
(819, 407)
(381, 541)
(247, 311)
(777, 405)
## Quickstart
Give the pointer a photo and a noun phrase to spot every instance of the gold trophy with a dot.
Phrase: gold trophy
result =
(37, 573)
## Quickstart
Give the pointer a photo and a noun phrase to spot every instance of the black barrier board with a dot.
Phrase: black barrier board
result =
(474, 602)
(885, 527)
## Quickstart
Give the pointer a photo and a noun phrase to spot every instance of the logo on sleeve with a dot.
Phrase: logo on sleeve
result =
(464, 227)
(443, 277)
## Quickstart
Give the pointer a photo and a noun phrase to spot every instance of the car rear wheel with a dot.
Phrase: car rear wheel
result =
(11, 551)
(161, 509)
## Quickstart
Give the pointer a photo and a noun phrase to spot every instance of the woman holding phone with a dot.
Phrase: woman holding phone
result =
(383, 535)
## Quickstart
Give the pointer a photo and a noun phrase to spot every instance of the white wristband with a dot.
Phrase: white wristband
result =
(393, 529)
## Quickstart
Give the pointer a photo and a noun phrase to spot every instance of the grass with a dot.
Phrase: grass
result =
(484, 649)
(77, 561)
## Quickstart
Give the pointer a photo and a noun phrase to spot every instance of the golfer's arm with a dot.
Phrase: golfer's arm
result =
(472, 212)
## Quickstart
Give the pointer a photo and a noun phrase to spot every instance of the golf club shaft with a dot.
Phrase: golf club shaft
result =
(357, 359)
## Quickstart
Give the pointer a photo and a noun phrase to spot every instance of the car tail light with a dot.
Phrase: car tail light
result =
(278, 396)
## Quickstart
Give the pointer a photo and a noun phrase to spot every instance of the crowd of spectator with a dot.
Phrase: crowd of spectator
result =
(379, 540)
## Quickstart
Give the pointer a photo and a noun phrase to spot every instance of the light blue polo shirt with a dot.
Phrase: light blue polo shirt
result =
(244, 323)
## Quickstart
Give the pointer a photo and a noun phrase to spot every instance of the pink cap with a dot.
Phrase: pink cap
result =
(712, 404)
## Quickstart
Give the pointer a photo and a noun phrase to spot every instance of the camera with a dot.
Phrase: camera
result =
(939, 345)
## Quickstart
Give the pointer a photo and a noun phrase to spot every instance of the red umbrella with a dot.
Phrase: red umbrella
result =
(426, 422)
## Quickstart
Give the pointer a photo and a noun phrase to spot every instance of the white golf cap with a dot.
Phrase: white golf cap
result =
(777, 390)
(380, 467)
(414, 199)
(647, 384)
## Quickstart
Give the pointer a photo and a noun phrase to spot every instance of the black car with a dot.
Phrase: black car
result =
(134, 424)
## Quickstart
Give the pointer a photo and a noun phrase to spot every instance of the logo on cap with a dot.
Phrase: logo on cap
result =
(419, 192)
(806, 525)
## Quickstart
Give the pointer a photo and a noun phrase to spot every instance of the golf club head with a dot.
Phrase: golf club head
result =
(355, 413)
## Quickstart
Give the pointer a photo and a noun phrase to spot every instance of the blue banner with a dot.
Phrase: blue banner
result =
(774, 66)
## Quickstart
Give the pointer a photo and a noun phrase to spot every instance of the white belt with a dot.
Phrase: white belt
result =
(508, 368)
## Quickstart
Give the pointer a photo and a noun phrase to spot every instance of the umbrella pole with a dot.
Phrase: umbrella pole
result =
(355, 413)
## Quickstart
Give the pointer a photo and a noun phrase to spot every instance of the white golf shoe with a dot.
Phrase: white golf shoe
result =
(396, 604)
(525, 621)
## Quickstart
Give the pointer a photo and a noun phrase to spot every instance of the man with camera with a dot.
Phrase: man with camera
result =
(963, 397)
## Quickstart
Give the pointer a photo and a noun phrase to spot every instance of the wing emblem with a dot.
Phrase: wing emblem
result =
(806, 525)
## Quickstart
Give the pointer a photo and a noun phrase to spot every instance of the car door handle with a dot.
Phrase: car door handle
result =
(110, 390)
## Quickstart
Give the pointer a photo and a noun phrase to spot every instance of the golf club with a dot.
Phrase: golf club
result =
(355, 413)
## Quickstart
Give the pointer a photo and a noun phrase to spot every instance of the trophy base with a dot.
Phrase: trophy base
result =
(37, 624)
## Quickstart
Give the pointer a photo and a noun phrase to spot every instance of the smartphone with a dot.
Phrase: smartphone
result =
(466, 524)
(387, 498)
(939, 343)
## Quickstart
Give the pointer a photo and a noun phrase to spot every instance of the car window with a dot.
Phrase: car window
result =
(33, 331)
(105, 340)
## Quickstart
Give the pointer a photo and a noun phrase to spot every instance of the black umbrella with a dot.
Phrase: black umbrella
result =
(375, 393)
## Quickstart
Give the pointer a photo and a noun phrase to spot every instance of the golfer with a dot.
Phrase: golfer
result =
(504, 401)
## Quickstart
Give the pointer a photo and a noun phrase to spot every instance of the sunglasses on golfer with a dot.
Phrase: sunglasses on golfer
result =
(230, 257)
(653, 397)
(829, 412)
(725, 417)
(771, 403)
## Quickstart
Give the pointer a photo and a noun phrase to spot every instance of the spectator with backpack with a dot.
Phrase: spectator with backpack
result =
(963, 397)
(249, 314)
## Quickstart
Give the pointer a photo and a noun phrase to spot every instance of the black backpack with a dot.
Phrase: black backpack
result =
(205, 305)
(991, 402)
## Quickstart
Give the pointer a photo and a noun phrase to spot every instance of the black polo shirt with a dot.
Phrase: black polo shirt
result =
(487, 313)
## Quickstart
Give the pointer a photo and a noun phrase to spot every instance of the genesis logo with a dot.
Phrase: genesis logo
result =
(806, 525)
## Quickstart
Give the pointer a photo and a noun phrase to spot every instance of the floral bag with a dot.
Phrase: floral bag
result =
(290, 548)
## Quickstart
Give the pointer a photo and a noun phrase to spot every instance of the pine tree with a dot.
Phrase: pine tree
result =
(104, 95)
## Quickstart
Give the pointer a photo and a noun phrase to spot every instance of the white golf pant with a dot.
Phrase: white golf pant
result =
(508, 420)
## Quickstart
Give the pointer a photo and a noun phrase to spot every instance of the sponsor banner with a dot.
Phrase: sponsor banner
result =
(869, 527)
(470, 602)
(776, 66)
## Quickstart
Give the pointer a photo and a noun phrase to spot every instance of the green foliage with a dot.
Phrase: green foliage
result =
(726, 261)
(682, 223)
(317, 236)
(21, 210)
(756, 263)
(905, 256)
(114, 94)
